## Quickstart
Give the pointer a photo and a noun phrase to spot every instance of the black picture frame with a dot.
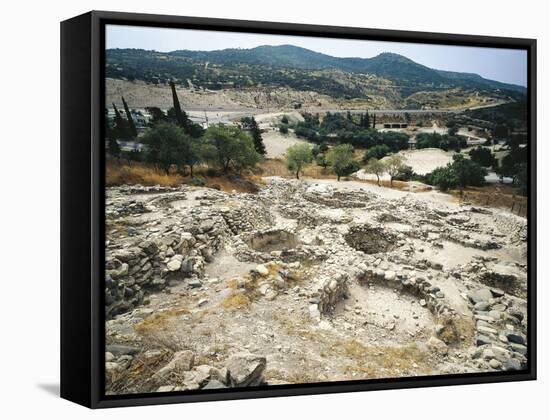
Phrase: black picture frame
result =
(83, 195)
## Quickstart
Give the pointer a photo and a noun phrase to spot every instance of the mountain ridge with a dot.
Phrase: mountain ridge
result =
(387, 75)
(348, 63)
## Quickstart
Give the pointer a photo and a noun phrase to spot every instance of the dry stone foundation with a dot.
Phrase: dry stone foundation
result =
(306, 281)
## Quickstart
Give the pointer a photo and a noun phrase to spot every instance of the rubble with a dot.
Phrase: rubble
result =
(300, 262)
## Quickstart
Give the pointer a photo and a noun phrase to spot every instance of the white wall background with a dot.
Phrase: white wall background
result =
(29, 222)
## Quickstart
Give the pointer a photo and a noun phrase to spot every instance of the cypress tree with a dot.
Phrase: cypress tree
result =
(367, 119)
(121, 127)
(131, 126)
(250, 124)
(373, 121)
(181, 116)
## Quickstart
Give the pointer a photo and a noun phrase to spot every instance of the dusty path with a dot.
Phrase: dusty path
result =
(432, 196)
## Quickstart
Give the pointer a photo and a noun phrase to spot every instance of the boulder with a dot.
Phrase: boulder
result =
(514, 337)
(481, 295)
(481, 306)
(437, 345)
(512, 364)
(214, 384)
(262, 270)
(118, 350)
(246, 369)
(182, 361)
(195, 283)
(481, 340)
(314, 312)
(389, 275)
(174, 264)
(519, 348)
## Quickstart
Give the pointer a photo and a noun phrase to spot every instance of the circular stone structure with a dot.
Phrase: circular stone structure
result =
(370, 239)
(273, 240)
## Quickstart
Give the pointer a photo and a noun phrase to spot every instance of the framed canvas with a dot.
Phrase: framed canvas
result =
(257, 209)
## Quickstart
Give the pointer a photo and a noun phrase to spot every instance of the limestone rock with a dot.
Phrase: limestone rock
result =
(262, 270)
(181, 361)
(246, 369)
(437, 345)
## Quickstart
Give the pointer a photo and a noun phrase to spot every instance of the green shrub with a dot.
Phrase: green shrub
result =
(198, 181)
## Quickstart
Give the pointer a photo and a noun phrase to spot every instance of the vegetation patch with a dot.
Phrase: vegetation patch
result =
(384, 361)
(236, 301)
(456, 330)
(159, 321)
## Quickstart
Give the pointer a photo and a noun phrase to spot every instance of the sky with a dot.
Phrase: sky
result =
(503, 65)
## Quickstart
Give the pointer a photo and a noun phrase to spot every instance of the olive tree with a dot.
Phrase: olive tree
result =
(394, 166)
(230, 148)
(167, 145)
(375, 167)
(342, 160)
(297, 157)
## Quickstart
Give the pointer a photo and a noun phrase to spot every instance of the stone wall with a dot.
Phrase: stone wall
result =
(512, 226)
(151, 258)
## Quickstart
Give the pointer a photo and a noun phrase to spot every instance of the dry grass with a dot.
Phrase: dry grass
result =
(456, 330)
(236, 301)
(232, 283)
(159, 321)
(297, 326)
(384, 361)
(140, 375)
(302, 376)
(131, 174)
(496, 196)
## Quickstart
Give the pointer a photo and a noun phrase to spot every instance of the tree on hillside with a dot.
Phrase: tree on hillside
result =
(131, 126)
(297, 157)
(511, 164)
(452, 128)
(193, 154)
(375, 167)
(167, 145)
(373, 121)
(467, 171)
(157, 114)
(321, 160)
(181, 117)
(230, 148)
(379, 151)
(483, 156)
(394, 166)
(120, 129)
(522, 178)
(113, 148)
(443, 177)
(249, 124)
(342, 160)
(366, 120)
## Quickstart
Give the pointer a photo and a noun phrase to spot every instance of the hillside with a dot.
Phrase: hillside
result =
(391, 76)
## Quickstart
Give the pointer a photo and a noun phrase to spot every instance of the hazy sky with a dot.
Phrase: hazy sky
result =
(504, 65)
